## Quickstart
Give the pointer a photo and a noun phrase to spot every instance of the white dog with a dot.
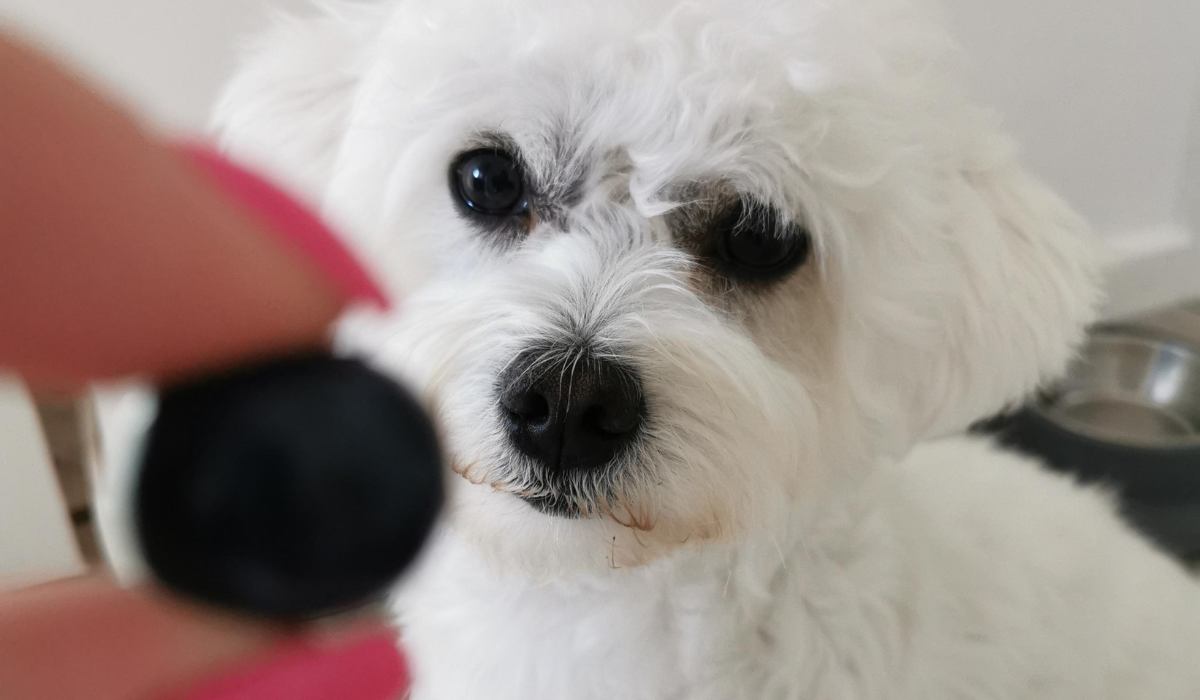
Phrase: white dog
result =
(695, 286)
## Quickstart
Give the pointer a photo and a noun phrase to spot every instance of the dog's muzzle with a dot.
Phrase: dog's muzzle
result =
(570, 413)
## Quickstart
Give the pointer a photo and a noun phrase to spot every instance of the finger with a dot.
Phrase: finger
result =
(88, 640)
(119, 256)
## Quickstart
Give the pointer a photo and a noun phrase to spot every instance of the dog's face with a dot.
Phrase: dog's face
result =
(671, 270)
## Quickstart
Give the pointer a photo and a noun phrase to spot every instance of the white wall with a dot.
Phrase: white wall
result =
(1101, 91)
(1105, 95)
(1189, 191)
(168, 56)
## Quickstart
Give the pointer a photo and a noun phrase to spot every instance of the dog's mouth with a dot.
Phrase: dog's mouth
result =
(546, 496)
(558, 496)
(554, 505)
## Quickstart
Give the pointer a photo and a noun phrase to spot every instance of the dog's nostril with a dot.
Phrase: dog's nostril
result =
(572, 416)
(527, 407)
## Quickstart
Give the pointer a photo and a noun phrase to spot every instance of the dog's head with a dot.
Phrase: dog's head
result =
(670, 269)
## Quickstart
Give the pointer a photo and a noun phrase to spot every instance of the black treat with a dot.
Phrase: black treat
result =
(287, 490)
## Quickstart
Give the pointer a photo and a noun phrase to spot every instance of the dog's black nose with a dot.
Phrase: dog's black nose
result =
(571, 413)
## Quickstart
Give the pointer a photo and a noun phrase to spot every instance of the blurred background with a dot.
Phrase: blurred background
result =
(1103, 94)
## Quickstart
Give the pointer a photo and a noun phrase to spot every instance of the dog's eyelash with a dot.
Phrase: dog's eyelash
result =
(706, 230)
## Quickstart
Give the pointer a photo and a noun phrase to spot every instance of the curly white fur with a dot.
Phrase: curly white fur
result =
(793, 525)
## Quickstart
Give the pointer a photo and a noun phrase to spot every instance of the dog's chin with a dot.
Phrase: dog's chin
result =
(554, 505)
(547, 495)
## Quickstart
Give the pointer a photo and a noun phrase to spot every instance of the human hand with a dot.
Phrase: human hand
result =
(120, 255)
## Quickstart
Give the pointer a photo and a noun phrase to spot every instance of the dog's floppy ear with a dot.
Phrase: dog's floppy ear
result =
(1006, 297)
(285, 110)
(1029, 286)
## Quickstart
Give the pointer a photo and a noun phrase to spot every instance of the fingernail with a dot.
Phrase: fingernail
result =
(290, 221)
(365, 668)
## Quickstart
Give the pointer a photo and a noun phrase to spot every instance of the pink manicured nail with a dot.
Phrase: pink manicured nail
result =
(367, 668)
(290, 221)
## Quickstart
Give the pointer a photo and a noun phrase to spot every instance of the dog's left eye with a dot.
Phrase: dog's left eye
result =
(490, 182)
(751, 243)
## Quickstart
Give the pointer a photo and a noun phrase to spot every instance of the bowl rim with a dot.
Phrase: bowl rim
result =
(1127, 332)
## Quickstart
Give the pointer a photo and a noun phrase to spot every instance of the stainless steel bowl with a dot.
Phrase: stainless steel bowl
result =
(1131, 389)
(1127, 416)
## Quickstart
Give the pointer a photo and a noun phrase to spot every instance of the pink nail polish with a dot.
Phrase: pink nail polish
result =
(367, 668)
(290, 221)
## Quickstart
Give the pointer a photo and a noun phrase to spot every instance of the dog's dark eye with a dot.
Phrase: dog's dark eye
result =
(751, 243)
(490, 182)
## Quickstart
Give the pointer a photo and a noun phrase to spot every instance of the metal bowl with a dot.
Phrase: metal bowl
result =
(1132, 390)
(1127, 416)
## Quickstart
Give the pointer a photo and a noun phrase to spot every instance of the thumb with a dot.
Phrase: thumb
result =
(90, 640)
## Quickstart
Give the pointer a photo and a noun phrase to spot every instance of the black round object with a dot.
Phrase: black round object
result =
(289, 490)
(1159, 487)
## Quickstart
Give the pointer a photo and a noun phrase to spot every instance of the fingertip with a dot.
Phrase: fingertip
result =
(367, 666)
(289, 221)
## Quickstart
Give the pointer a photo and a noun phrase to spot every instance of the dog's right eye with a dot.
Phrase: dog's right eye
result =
(490, 182)
(754, 244)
